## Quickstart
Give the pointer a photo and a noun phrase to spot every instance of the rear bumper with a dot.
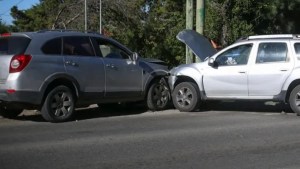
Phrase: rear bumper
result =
(26, 97)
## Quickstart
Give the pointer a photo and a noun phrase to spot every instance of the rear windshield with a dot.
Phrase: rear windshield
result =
(13, 45)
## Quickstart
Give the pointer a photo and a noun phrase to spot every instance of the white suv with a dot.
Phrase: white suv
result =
(265, 67)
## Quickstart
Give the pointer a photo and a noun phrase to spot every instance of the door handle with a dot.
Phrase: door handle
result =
(283, 70)
(71, 63)
(74, 64)
(112, 66)
(242, 72)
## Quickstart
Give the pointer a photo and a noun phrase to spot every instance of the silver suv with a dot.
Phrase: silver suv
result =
(56, 71)
(265, 67)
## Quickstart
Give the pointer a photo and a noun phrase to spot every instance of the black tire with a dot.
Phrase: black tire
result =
(59, 105)
(158, 96)
(294, 100)
(186, 97)
(10, 112)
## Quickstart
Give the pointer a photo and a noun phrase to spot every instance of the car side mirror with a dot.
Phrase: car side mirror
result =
(211, 62)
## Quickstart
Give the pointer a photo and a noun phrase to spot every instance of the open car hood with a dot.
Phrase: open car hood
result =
(199, 44)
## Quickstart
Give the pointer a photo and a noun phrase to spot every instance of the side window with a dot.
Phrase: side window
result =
(52, 47)
(235, 56)
(297, 48)
(77, 46)
(109, 50)
(272, 52)
(13, 45)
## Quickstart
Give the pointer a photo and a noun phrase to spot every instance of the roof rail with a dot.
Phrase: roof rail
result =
(278, 36)
(57, 30)
(296, 36)
(243, 38)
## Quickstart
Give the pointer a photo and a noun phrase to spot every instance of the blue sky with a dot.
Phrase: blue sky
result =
(5, 6)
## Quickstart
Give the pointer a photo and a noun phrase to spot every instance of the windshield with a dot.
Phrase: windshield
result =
(13, 45)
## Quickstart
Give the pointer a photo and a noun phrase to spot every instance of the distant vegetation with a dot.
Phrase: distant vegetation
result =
(150, 26)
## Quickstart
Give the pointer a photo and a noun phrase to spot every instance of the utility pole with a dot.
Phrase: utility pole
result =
(189, 25)
(100, 16)
(85, 16)
(200, 18)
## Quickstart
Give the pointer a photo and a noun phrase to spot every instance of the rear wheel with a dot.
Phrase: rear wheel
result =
(158, 97)
(294, 100)
(186, 97)
(9, 111)
(59, 105)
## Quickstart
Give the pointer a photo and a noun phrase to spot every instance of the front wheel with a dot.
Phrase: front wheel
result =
(294, 100)
(186, 97)
(59, 105)
(158, 97)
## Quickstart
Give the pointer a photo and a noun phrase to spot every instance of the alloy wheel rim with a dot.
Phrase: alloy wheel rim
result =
(61, 104)
(160, 95)
(297, 100)
(184, 97)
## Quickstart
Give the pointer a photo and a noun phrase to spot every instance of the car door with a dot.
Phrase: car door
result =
(123, 75)
(272, 67)
(229, 77)
(82, 63)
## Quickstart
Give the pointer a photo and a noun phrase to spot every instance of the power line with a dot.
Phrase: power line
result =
(13, 5)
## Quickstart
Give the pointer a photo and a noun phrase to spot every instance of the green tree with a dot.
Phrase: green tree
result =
(3, 28)
(164, 19)
(280, 17)
(228, 20)
(150, 26)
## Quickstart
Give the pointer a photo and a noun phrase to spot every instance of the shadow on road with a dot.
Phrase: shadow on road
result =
(91, 112)
(112, 110)
(246, 106)
(109, 111)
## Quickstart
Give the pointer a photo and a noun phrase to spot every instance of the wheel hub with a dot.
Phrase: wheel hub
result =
(60, 105)
(184, 97)
(160, 95)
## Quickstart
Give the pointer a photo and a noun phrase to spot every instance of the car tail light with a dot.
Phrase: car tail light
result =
(18, 63)
(10, 91)
(6, 34)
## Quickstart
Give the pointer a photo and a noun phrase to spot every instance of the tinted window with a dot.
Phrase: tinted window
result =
(13, 45)
(52, 47)
(271, 52)
(297, 48)
(77, 46)
(109, 50)
(235, 56)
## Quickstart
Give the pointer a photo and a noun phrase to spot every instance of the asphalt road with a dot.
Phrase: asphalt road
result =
(223, 135)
